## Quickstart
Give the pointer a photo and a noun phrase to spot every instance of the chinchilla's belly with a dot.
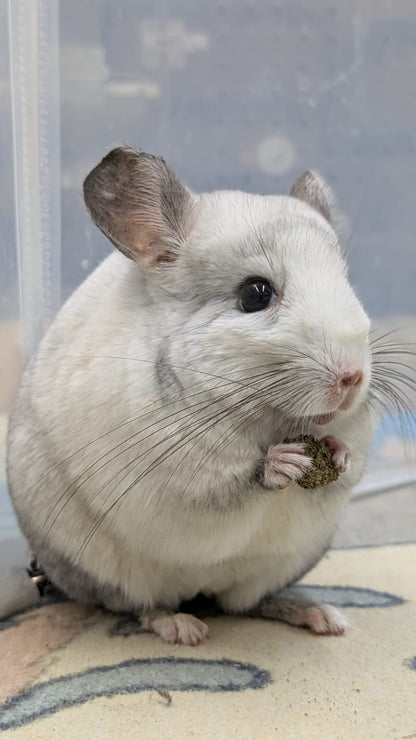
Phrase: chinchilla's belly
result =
(276, 541)
(153, 545)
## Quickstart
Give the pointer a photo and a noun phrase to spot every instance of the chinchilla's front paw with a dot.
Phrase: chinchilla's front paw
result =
(284, 464)
(341, 454)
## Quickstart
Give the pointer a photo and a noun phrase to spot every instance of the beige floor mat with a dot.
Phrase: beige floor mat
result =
(70, 672)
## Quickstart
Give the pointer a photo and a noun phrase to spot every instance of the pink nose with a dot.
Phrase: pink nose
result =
(347, 380)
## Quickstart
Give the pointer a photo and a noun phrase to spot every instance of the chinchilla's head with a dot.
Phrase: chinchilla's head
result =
(253, 290)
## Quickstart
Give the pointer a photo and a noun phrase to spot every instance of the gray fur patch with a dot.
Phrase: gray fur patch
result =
(168, 381)
(75, 583)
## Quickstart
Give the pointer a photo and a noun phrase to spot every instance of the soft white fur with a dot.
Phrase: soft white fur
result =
(92, 389)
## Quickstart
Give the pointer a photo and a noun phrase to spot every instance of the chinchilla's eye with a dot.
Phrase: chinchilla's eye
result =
(256, 294)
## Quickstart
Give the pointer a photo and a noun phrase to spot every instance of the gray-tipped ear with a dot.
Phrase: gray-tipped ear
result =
(138, 203)
(312, 189)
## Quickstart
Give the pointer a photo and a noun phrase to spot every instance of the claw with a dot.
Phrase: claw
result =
(285, 463)
(341, 454)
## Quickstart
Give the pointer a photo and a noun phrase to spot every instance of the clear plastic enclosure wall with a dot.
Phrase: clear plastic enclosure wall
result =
(240, 94)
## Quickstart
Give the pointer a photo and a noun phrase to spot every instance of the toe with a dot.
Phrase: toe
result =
(324, 619)
(183, 629)
(191, 631)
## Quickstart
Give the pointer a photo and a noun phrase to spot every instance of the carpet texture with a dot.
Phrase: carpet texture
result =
(70, 671)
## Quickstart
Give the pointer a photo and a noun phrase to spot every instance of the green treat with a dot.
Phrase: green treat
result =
(323, 471)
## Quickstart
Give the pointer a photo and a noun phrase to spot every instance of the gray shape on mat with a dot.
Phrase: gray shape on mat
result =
(130, 677)
(342, 596)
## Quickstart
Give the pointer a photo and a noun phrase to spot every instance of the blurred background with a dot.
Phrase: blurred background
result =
(241, 94)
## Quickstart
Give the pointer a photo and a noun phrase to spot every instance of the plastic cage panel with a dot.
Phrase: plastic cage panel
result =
(240, 94)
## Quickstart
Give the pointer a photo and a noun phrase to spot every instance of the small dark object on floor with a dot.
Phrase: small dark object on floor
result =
(323, 470)
(165, 695)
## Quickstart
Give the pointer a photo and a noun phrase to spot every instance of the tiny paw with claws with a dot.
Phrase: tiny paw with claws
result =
(323, 619)
(284, 464)
(341, 454)
(182, 629)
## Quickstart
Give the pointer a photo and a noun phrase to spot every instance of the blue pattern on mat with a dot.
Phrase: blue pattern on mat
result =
(130, 677)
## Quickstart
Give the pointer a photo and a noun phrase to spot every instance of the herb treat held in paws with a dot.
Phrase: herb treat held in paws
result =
(155, 415)
(324, 469)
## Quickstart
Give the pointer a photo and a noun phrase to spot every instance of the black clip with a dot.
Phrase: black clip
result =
(38, 576)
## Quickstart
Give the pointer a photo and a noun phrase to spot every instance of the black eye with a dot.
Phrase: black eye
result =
(256, 294)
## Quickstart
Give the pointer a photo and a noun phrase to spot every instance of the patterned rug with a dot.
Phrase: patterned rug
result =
(76, 672)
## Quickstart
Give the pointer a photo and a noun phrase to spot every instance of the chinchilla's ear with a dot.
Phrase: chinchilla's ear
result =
(138, 203)
(313, 190)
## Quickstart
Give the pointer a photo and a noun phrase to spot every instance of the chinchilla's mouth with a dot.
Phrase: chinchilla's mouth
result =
(323, 418)
(320, 419)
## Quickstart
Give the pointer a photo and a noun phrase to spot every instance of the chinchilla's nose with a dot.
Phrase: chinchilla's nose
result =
(349, 379)
(346, 386)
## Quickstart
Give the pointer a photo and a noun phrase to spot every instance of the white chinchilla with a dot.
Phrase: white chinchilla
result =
(147, 458)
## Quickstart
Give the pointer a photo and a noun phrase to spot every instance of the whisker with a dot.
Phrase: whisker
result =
(172, 450)
(80, 480)
(295, 382)
(176, 415)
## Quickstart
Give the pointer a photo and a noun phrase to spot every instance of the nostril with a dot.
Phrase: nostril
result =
(353, 378)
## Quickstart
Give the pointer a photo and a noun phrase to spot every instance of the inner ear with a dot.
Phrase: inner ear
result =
(138, 203)
(313, 190)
